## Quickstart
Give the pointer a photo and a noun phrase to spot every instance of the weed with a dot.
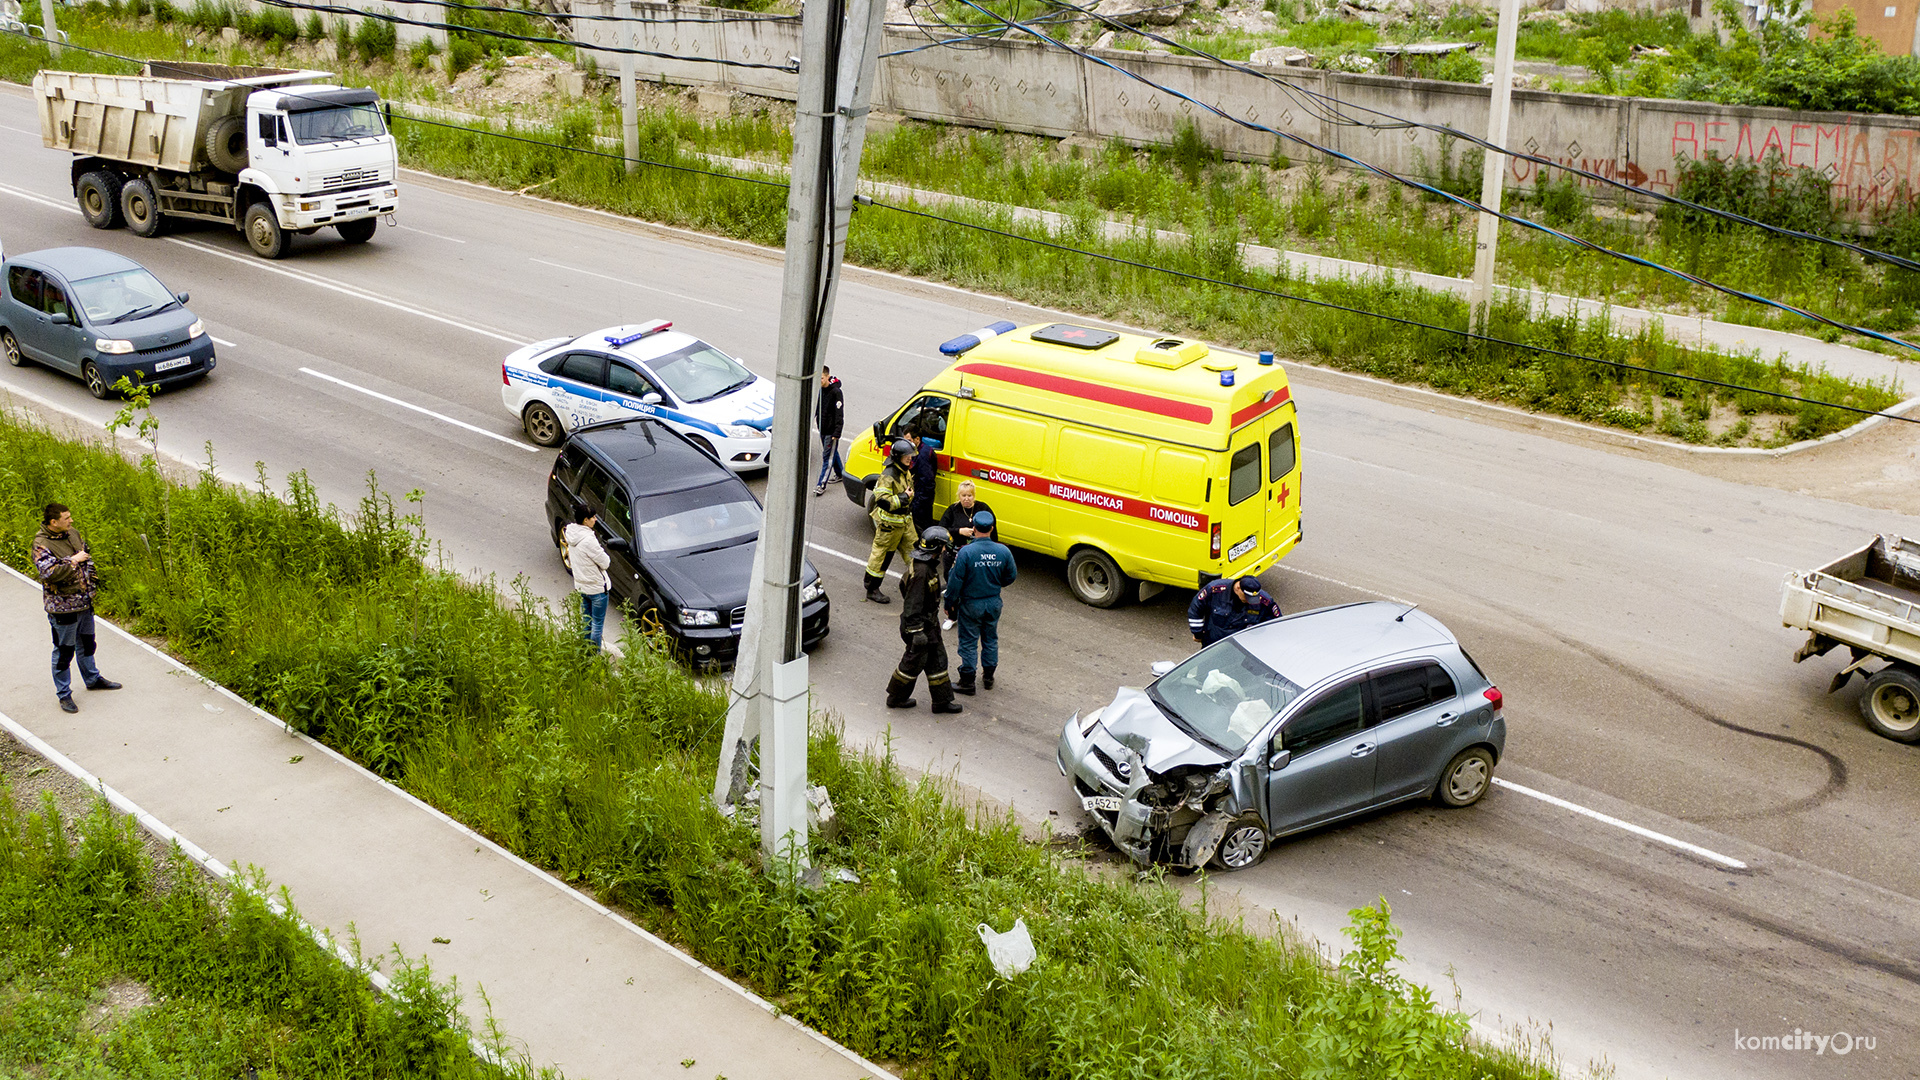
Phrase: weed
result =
(375, 38)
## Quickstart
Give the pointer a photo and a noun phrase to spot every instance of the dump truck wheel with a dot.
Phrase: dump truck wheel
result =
(141, 209)
(264, 234)
(98, 193)
(1891, 704)
(226, 143)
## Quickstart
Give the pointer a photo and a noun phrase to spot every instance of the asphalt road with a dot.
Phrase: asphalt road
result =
(1628, 609)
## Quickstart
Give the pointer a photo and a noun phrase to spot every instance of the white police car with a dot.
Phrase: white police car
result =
(563, 384)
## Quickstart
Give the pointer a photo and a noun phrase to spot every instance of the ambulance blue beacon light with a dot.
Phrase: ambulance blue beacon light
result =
(1266, 359)
(1226, 378)
(967, 341)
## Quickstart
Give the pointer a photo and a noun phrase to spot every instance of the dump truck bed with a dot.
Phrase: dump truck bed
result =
(158, 119)
(1868, 599)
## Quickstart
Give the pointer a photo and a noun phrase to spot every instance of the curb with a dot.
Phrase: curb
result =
(875, 1071)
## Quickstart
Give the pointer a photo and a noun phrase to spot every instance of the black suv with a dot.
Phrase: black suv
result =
(684, 571)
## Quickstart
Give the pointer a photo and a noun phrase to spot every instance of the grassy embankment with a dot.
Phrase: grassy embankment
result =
(116, 963)
(599, 769)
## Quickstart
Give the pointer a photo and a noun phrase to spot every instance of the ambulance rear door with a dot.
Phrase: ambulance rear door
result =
(1283, 478)
(1243, 514)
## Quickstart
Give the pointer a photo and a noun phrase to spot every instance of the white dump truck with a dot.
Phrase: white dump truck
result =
(1869, 601)
(270, 151)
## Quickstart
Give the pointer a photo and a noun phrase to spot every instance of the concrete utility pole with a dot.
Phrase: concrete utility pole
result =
(840, 53)
(629, 104)
(1494, 174)
(51, 29)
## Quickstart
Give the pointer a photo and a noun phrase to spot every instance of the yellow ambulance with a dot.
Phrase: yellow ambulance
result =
(1143, 462)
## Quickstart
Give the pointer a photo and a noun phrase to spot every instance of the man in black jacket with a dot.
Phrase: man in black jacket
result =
(833, 415)
(926, 465)
(920, 588)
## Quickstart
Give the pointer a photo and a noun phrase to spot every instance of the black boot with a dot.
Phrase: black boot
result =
(986, 674)
(874, 581)
(900, 691)
(942, 693)
(965, 685)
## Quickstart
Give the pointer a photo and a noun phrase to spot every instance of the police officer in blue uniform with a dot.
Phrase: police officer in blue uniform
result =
(1227, 605)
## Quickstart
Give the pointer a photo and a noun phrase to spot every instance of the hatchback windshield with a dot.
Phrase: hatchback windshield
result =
(1223, 695)
(718, 515)
(117, 297)
(699, 372)
(336, 124)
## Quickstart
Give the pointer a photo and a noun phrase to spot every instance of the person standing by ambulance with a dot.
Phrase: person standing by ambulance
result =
(892, 514)
(958, 521)
(832, 418)
(1228, 605)
(926, 464)
(980, 571)
(920, 629)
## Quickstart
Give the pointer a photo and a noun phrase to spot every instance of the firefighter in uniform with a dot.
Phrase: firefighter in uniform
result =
(892, 518)
(920, 589)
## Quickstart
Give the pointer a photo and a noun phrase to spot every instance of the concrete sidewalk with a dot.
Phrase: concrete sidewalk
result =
(571, 983)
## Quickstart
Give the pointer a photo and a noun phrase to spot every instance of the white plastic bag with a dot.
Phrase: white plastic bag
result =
(1010, 953)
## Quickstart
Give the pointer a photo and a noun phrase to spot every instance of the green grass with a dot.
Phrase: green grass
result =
(215, 982)
(599, 770)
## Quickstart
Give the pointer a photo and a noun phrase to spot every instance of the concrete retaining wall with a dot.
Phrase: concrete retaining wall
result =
(1022, 86)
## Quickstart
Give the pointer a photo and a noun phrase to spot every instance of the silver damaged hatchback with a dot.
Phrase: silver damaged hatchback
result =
(1284, 727)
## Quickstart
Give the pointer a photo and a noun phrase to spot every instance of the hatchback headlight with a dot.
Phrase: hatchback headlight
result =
(112, 345)
(812, 591)
(744, 431)
(1090, 721)
(699, 617)
(198, 329)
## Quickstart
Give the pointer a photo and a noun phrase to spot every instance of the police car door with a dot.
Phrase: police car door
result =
(578, 386)
(633, 394)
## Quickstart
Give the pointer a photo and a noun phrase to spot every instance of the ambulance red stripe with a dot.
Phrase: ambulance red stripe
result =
(1108, 395)
(1082, 496)
(1261, 408)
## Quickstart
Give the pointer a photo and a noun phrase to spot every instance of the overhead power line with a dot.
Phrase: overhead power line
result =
(1448, 196)
(1104, 257)
(1315, 100)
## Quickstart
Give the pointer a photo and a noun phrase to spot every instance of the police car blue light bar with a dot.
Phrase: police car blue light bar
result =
(967, 341)
(653, 327)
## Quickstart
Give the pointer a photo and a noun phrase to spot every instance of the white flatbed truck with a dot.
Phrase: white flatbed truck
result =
(1869, 601)
(269, 151)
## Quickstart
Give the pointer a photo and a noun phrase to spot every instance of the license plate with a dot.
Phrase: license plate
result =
(1241, 548)
(169, 365)
(1109, 803)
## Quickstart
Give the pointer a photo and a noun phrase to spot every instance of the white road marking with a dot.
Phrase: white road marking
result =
(1291, 569)
(637, 285)
(435, 235)
(23, 131)
(889, 348)
(1637, 830)
(1769, 562)
(345, 289)
(30, 196)
(225, 342)
(423, 411)
(859, 562)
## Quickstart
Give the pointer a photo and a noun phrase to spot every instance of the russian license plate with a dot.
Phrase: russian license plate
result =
(1109, 803)
(1242, 547)
(176, 362)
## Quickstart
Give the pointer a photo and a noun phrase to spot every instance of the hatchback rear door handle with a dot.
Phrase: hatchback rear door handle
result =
(1362, 750)
(1445, 719)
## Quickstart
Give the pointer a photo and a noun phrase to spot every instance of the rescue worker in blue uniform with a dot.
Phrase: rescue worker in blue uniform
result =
(980, 571)
(1227, 605)
(920, 629)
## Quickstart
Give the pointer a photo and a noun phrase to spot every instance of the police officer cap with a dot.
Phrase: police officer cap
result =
(931, 542)
(983, 520)
(1249, 584)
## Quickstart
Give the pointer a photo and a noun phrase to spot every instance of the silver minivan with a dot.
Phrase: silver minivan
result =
(1283, 727)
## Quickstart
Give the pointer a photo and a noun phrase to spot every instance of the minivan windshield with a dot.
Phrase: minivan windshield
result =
(700, 372)
(684, 522)
(336, 124)
(125, 294)
(1222, 695)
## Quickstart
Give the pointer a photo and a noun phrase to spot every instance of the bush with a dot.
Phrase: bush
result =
(1769, 191)
(275, 25)
(315, 29)
(421, 53)
(375, 38)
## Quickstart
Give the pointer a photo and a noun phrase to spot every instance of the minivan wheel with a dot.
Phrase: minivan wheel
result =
(1095, 578)
(11, 346)
(96, 382)
(1466, 778)
(1891, 704)
(1244, 845)
(542, 424)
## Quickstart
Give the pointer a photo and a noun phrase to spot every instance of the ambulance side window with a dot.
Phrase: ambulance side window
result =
(1243, 482)
(929, 410)
(1279, 454)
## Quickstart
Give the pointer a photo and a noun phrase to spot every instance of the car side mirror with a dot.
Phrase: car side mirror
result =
(181, 296)
(60, 318)
(1161, 667)
(614, 543)
(651, 399)
(1279, 760)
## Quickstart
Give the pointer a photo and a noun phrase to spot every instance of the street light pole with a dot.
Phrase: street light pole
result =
(629, 102)
(1494, 171)
(839, 57)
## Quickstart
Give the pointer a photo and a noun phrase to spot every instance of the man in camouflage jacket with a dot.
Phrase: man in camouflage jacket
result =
(67, 583)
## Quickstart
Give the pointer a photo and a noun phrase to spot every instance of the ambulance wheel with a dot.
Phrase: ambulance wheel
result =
(1096, 579)
(542, 425)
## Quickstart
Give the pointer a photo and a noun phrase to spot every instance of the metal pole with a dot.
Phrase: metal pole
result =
(839, 49)
(1494, 173)
(629, 103)
(51, 28)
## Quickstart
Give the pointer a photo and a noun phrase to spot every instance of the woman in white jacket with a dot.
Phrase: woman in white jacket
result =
(589, 563)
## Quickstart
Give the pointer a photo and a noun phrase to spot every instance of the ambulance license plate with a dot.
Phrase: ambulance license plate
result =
(169, 365)
(1109, 803)
(1242, 547)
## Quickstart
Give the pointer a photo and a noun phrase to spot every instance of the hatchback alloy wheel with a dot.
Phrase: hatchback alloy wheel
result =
(1243, 846)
